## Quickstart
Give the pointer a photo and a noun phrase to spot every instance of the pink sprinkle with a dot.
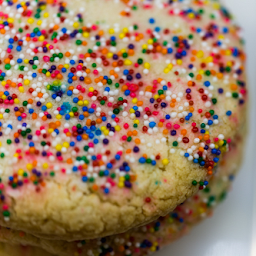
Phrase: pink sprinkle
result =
(46, 58)
(176, 126)
(168, 125)
(90, 144)
(126, 126)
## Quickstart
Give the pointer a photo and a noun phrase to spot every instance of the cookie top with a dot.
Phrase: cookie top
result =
(112, 113)
(148, 238)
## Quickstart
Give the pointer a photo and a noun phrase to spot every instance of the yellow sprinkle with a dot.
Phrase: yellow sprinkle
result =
(91, 89)
(80, 103)
(26, 61)
(20, 172)
(16, 101)
(48, 74)
(111, 31)
(45, 165)
(41, 38)
(117, 128)
(50, 130)
(179, 62)
(134, 100)
(58, 147)
(30, 20)
(86, 34)
(59, 116)
(150, 41)
(170, 66)
(21, 89)
(10, 20)
(49, 105)
(86, 102)
(1, 116)
(39, 22)
(165, 161)
(66, 144)
(228, 52)
(127, 62)
(122, 35)
(200, 54)
(191, 15)
(144, 46)
(166, 70)
(76, 25)
(46, 15)
(147, 65)
(110, 55)
(120, 184)
(29, 167)
(26, 82)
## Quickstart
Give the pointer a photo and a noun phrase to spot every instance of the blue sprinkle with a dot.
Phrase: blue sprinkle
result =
(229, 113)
(142, 160)
(106, 190)
(151, 20)
(84, 178)
(152, 124)
(216, 159)
(207, 83)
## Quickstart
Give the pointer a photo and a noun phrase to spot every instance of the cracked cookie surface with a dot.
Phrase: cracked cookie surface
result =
(143, 240)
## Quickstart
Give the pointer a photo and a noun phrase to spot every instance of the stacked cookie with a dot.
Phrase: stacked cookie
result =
(113, 114)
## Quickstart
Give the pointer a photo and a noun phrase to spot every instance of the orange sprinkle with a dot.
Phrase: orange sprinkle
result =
(137, 141)
(34, 116)
(69, 161)
(183, 132)
(67, 54)
(95, 187)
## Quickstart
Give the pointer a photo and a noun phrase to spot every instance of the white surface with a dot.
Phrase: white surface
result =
(230, 231)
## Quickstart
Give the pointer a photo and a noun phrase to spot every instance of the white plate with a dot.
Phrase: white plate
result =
(231, 231)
